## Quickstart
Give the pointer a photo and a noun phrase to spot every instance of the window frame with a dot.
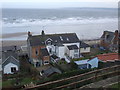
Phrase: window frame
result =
(13, 69)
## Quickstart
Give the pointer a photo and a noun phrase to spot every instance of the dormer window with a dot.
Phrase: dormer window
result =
(107, 36)
(67, 39)
(61, 38)
(49, 42)
(76, 51)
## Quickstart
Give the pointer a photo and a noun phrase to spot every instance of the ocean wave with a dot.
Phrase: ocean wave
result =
(54, 21)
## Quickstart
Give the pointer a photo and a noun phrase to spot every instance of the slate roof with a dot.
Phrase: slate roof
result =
(9, 57)
(110, 35)
(44, 52)
(72, 47)
(54, 56)
(83, 45)
(51, 71)
(56, 38)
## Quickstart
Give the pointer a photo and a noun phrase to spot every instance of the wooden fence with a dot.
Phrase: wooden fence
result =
(80, 80)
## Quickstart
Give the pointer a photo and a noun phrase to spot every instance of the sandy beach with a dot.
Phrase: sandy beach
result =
(11, 35)
(13, 42)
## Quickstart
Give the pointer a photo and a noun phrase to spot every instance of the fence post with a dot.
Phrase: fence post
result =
(95, 75)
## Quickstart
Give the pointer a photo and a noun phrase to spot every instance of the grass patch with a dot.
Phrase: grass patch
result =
(8, 83)
(26, 81)
(117, 85)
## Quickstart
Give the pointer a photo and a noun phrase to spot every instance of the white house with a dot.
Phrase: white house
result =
(88, 63)
(84, 48)
(72, 51)
(62, 44)
(10, 63)
(56, 44)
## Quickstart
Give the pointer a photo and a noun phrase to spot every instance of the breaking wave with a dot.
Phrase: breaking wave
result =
(54, 21)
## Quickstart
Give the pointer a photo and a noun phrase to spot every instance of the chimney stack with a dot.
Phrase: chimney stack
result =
(29, 33)
(15, 48)
(42, 33)
(116, 32)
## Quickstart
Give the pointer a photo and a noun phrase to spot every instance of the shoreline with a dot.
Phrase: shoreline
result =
(12, 35)
(13, 42)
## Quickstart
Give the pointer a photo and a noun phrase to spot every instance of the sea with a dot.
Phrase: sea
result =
(87, 23)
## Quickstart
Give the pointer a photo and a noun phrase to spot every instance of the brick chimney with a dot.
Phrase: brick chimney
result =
(42, 33)
(29, 34)
(15, 48)
(116, 36)
(116, 33)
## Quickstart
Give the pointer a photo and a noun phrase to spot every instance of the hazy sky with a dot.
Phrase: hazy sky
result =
(58, 3)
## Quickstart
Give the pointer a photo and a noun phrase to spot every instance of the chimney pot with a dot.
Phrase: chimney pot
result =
(29, 33)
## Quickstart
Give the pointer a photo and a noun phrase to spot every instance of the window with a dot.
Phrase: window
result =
(36, 52)
(76, 51)
(83, 66)
(46, 62)
(49, 42)
(50, 50)
(75, 55)
(13, 69)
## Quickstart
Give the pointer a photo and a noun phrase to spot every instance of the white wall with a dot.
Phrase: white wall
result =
(72, 53)
(93, 62)
(0, 67)
(67, 51)
(7, 68)
(52, 49)
(61, 51)
(85, 50)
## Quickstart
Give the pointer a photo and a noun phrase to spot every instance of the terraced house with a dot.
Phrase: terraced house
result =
(42, 47)
(110, 40)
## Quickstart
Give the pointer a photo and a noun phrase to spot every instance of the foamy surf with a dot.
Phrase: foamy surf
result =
(47, 22)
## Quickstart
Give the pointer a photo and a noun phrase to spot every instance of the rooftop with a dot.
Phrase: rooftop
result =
(109, 57)
(44, 52)
(72, 47)
(9, 57)
(108, 35)
(50, 71)
(83, 45)
(56, 38)
(81, 62)
(54, 56)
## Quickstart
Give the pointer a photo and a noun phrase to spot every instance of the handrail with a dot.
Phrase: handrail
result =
(63, 86)
(72, 77)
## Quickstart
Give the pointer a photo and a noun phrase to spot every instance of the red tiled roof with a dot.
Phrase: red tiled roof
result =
(108, 57)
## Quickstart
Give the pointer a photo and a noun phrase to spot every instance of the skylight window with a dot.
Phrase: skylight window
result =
(61, 38)
(55, 40)
(67, 39)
